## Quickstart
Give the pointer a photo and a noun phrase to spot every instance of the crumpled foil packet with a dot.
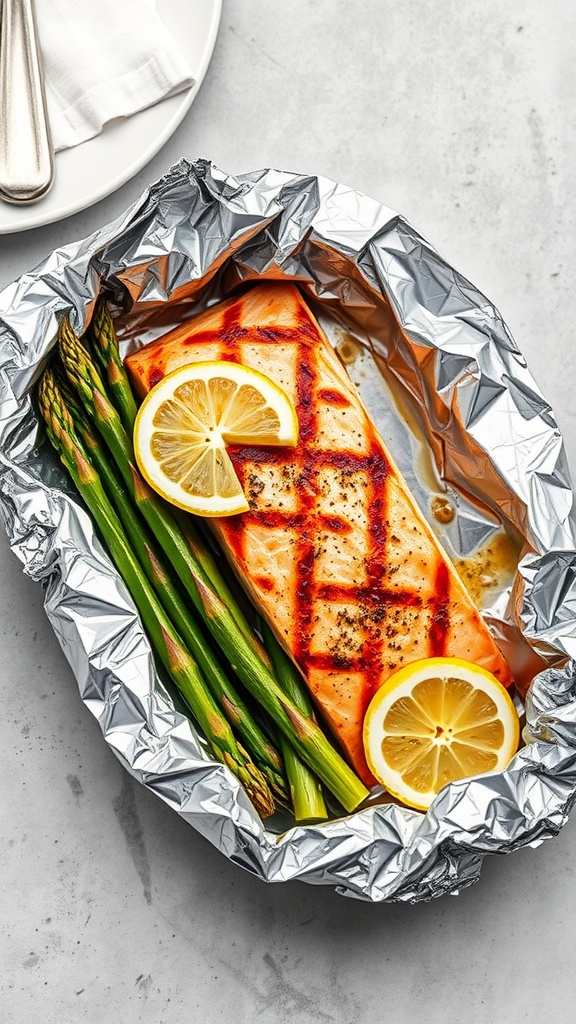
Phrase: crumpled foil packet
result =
(193, 236)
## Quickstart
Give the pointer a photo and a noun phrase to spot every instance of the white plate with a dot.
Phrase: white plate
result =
(87, 173)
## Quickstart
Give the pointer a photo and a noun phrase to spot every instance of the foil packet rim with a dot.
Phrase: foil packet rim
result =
(376, 854)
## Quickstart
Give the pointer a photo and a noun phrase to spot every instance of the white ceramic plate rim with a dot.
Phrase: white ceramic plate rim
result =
(155, 131)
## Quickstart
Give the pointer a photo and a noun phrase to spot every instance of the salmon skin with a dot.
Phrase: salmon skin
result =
(334, 551)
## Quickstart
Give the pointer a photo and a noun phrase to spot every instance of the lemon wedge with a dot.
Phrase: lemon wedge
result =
(186, 421)
(436, 721)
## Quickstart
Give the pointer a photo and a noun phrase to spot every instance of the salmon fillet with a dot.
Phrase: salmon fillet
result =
(334, 551)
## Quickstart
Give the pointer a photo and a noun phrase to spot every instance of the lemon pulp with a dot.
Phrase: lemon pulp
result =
(437, 721)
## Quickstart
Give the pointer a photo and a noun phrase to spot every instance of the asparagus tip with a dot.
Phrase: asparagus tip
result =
(254, 784)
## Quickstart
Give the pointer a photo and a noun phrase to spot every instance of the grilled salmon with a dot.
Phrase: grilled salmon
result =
(334, 551)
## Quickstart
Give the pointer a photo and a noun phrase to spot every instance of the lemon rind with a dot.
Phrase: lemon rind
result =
(416, 672)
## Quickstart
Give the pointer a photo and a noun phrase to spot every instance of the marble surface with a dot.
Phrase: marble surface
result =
(112, 909)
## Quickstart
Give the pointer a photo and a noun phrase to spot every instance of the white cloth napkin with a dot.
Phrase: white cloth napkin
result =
(104, 59)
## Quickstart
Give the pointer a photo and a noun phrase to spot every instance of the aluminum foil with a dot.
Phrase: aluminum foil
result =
(431, 352)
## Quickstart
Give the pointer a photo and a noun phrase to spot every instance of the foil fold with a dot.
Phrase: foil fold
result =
(435, 340)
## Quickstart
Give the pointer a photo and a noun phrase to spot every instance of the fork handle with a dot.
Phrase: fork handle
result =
(26, 154)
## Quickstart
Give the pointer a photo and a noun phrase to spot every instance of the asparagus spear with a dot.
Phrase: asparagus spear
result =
(305, 790)
(304, 735)
(176, 659)
(108, 355)
(234, 708)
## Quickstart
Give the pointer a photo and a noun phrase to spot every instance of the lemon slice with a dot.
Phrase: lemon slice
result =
(436, 721)
(186, 421)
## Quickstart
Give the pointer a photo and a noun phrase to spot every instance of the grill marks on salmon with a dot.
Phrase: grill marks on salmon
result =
(334, 551)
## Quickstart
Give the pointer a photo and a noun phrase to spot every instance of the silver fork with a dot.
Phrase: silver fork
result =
(26, 152)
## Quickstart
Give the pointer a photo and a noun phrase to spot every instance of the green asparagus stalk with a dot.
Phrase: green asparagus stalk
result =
(231, 703)
(304, 734)
(209, 566)
(176, 659)
(108, 354)
(305, 789)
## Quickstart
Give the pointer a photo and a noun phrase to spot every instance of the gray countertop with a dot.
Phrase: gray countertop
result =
(461, 117)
